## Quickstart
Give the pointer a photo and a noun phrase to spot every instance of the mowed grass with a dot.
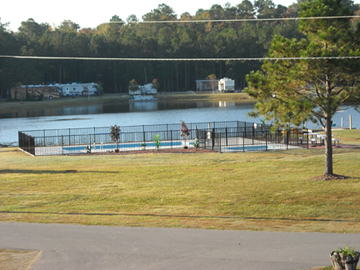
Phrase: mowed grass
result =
(273, 191)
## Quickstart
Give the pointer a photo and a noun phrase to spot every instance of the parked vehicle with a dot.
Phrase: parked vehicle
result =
(226, 85)
(78, 89)
(146, 89)
(35, 92)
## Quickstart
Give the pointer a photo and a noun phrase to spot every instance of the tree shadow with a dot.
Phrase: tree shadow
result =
(51, 171)
(179, 216)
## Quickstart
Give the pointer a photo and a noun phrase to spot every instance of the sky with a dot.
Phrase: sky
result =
(89, 14)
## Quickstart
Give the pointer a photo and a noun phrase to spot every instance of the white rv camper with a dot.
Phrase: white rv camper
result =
(35, 91)
(148, 89)
(78, 89)
(226, 85)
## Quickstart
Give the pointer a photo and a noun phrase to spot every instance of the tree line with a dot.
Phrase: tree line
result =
(134, 39)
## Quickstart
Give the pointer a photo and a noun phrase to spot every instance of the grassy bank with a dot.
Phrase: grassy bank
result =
(19, 106)
(243, 191)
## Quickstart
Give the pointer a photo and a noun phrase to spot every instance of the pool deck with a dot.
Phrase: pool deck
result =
(100, 148)
(236, 144)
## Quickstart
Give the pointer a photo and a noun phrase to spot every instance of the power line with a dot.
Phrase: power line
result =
(176, 59)
(244, 20)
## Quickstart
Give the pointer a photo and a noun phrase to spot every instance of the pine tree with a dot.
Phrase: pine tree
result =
(295, 91)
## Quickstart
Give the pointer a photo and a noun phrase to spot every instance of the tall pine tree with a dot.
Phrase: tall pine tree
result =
(294, 91)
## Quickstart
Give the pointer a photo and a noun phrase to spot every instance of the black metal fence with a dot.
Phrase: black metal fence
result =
(220, 136)
(26, 142)
(262, 138)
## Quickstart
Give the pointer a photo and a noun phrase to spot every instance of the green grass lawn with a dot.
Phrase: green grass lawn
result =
(273, 191)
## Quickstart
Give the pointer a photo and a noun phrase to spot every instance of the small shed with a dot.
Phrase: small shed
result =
(204, 85)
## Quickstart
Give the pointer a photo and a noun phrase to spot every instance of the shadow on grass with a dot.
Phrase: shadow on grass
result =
(52, 171)
(179, 216)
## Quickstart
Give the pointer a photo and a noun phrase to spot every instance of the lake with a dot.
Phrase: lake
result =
(144, 113)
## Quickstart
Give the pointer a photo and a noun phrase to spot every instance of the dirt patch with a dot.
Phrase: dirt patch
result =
(330, 177)
(17, 258)
(333, 146)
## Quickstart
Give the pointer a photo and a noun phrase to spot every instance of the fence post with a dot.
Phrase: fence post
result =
(287, 140)
(44, 138)
(253, 133)
(244, 133)
(69, 137)
(220, 141)
(209, 131)
(266, 140)
(143, 127)
(196, 132)
(204, 133)
(307, 138)
(171, 138)
(213, 138)
(20, 144)
(226, 136)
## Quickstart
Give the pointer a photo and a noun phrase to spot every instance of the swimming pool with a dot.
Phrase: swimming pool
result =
(252, 148)
(122, 146)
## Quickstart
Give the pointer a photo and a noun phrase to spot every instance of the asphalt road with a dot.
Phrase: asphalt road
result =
(100, 247)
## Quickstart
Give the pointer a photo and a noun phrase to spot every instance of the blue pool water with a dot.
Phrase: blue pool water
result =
(122, 146)
(251, 148)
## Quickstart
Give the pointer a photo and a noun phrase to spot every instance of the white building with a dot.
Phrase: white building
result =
(205, 85)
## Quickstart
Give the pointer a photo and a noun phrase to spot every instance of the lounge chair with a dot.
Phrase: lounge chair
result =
(336, 142)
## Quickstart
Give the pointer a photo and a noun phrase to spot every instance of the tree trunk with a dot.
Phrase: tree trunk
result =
(328, 147)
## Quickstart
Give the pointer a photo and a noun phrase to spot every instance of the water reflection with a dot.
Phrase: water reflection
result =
(143, 106)
(226, 104)
(119, 107)
(92, 109)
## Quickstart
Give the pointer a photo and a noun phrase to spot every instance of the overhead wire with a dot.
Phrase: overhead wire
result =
(176, 59)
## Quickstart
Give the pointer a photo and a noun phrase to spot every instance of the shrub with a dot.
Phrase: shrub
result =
(157, 141)
(196, 143)
(115, 135)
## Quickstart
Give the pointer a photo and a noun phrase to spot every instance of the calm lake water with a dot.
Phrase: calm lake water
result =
(145, 113)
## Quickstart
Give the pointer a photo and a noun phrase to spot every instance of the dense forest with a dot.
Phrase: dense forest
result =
(134, 39)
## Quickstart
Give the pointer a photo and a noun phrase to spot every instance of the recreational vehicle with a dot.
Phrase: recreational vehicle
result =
(78, 89)
(226, 85)
(35, 92)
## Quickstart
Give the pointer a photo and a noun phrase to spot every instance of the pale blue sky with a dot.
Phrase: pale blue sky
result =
(91, 13)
